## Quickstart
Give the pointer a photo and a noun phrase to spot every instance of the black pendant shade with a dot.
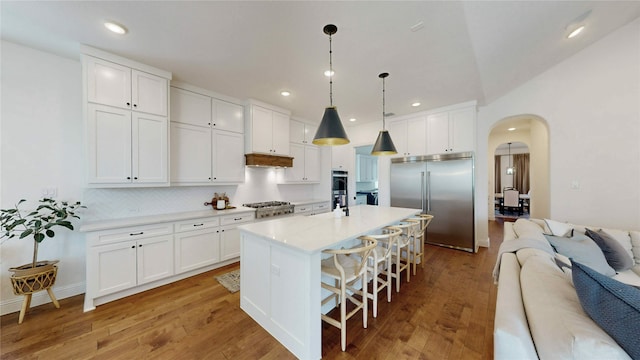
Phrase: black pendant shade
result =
(384, 144)
(331, 132)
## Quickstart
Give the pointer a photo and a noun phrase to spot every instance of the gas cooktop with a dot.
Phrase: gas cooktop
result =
(271, 208)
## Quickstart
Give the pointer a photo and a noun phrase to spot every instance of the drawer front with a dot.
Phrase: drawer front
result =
(237, 218)
(321, 206)
(127, 234)
(302, 209)
(197, 224)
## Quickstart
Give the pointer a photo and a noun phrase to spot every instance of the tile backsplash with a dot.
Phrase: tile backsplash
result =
(260, 185)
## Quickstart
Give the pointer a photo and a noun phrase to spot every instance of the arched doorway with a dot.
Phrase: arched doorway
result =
(533, 131)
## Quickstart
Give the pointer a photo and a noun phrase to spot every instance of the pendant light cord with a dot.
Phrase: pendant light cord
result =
(383, 119)
(330, 73)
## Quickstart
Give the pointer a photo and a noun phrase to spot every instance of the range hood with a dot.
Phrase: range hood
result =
(268, 160)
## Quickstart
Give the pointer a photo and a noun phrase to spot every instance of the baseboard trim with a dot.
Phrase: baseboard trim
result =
(41, 297)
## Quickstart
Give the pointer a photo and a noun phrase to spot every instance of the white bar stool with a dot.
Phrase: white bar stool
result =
(417, 246)
(347, 267)
(400, 254)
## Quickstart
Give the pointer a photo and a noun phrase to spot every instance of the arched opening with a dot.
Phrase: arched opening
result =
(531, 133)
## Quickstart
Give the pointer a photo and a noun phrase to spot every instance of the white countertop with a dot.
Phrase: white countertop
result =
(307, 202)
(314, 233)
(155, 219)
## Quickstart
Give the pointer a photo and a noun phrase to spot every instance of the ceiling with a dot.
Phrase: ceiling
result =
(437, 52)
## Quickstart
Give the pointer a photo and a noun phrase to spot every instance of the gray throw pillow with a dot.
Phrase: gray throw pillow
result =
(614, 306)
(613, 251)
(583, 250)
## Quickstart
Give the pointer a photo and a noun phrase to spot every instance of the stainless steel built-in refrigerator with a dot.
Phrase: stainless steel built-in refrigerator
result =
(441, 185)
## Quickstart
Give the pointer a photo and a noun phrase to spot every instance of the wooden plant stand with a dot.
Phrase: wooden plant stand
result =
(27, 280)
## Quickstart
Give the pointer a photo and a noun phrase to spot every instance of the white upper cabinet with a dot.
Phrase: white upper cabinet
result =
(188, 107)
(207, 140)
(306, 164)
(117, 85)
(408, 135)
(127, 128)
(302, 133)
(266, 129)
(451, 131)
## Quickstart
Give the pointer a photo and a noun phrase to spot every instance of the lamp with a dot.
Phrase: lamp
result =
(384, 144)
(510, 170)
(330, 132)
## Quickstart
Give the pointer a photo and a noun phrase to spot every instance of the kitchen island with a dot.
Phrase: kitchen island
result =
(280, 270)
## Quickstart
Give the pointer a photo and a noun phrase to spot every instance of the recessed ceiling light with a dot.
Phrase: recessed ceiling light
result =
(285, 93)
(352, 119)
(575, 32)
(415, 104)
(511, 129)
(329, 73)
(115, 27)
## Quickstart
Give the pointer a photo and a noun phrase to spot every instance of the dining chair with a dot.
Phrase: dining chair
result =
(348, 268)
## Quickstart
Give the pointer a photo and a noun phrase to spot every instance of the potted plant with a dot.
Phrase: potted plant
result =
(37, 225)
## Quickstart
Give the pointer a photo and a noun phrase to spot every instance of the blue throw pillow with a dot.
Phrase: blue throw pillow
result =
(614, 306)
(583, 250)
(613, 251)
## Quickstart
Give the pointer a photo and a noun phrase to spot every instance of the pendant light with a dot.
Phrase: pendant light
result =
(330, 132)
(510, 170)
(384, 144)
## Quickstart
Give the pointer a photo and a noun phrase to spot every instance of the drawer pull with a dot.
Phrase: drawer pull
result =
(134, 234)
(198, 224)
(236, 219)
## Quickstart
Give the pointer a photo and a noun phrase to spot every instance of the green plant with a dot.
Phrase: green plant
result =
(38, 223)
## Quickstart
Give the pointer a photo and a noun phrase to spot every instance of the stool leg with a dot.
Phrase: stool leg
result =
(343, 316)
(25, 306)
(389, 278)
(53, 298)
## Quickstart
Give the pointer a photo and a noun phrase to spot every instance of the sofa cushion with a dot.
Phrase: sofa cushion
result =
(616, 255)
(559, 326)
(558, 228)
(613, 305)
(525, 253)
(635, 242)
(583, 250)
(528, 229)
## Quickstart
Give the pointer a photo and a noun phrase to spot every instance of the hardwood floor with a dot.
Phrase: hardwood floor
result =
(445, 312)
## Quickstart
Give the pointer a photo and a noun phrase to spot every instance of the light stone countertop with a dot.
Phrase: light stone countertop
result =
(106, 224)
(315, 233)
(307, 202)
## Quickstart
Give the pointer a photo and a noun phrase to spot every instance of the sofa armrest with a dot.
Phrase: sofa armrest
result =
(511, 335)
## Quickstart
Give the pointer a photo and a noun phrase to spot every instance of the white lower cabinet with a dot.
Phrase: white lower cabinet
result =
(127, 260)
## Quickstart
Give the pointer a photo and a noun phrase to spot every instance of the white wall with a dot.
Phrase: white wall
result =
(591, 103)
(42, 144)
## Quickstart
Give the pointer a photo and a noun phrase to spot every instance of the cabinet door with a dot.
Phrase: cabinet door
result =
(150, 149)
(296, 173)
(113, 267)
(228, 157)
(416, 135)
(228, 116)
(261, 130)
(340, 157)
(229, 242)
(155, 258)
(462, 129)
(195, 249)
(108, 83)
(398, 133)
(438, 133)
(190, 154)
(280, 134)
(296, 132)
(309, 133)
(149, 93)
(311, 163)
(188, 107)
(109, 145)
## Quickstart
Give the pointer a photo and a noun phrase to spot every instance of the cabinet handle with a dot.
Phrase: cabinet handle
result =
(198, 224)
(128, 104)
(215, 178)
(140, 245)
(135, 234)
(209, 178)
(128, 177)
(133, 247)
(222, 230)
(236, 219)
(135, 178)
(214, 124)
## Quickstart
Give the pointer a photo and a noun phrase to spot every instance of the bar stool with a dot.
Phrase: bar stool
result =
(380, 262)
(417, 246)
(347, 267)
(400, 254)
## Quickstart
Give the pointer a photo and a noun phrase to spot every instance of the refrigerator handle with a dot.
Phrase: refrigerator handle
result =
(428, 191)
(422, 192)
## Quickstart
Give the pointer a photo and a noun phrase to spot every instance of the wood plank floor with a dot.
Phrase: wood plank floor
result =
(445, 312)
